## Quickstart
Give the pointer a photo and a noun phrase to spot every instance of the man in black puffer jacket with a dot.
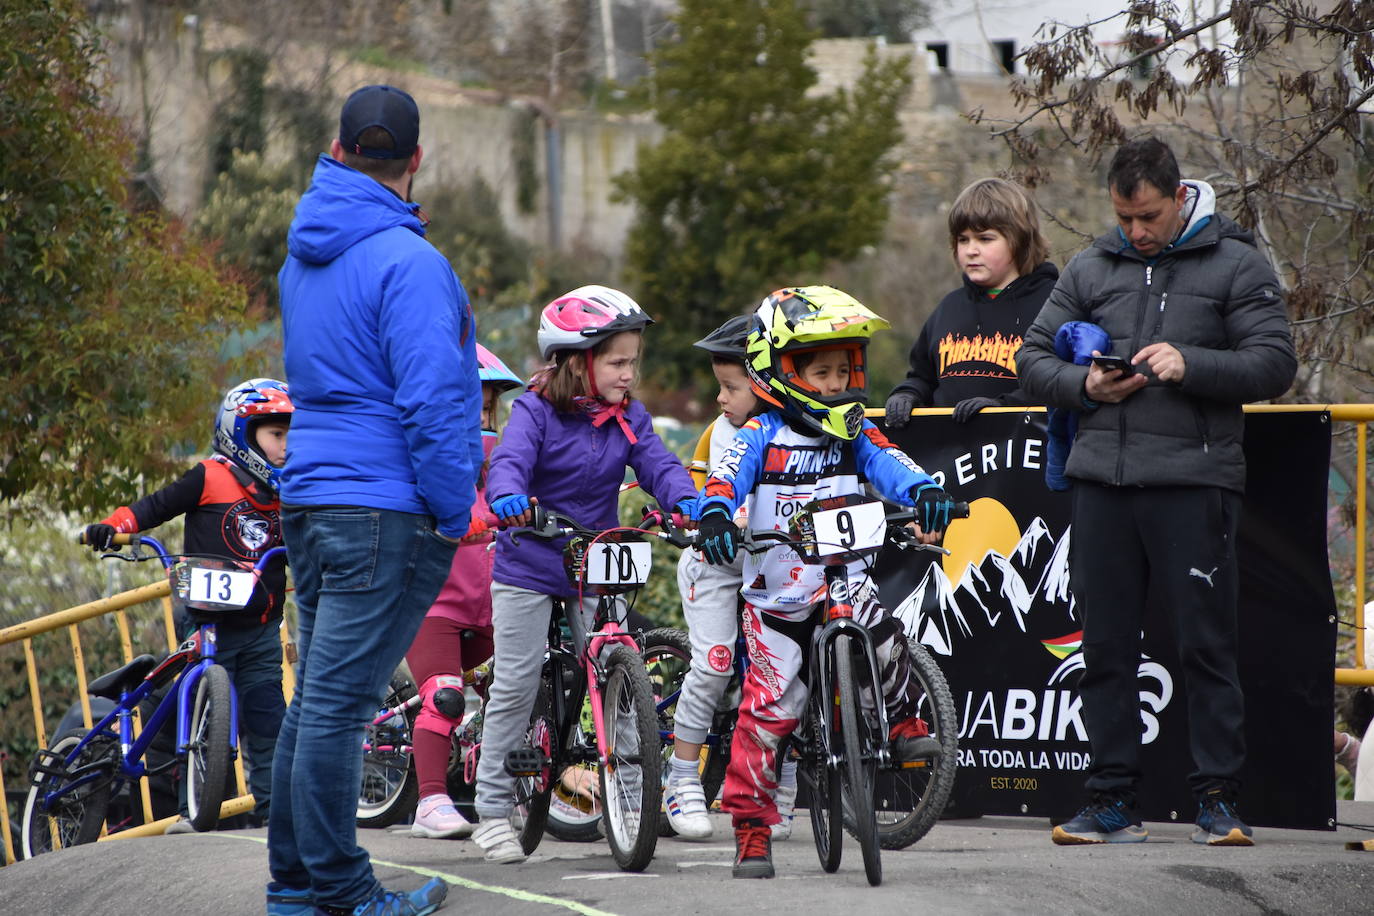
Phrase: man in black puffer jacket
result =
(1158, 470)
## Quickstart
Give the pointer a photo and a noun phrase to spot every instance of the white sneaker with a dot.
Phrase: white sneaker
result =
(685, 803)
(437, 819)
(497, 837)
(786, 799)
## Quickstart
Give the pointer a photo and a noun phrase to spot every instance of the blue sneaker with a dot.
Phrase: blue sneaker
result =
(289, 901)
(416, 903)
(1105, 820)
(1218, 824)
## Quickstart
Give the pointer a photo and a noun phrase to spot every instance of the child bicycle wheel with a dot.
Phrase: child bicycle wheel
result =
(632, 778)
(910, 799)
(207, 751)
(859, 766)
(76, 817)
(390, 788)
(667, 658)
(533, 791)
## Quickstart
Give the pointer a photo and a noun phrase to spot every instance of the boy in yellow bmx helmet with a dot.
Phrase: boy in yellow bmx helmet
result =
(806, 356)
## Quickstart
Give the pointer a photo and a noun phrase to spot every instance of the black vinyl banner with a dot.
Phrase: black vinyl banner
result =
(998, 615)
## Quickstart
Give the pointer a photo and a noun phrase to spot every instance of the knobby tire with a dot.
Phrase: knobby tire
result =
(207, 753)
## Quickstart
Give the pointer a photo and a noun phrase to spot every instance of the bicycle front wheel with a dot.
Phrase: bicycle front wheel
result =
(76, 816)
(390, 787)
(207, 753)
(860, 762)
(631, 779)
(912, 797)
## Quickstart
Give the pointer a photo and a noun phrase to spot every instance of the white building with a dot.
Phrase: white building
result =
(983, 37)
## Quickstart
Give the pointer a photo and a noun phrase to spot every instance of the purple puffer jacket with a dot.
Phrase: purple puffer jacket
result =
(576, 468)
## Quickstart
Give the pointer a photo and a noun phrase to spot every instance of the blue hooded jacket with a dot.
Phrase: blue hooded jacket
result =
(380, 352)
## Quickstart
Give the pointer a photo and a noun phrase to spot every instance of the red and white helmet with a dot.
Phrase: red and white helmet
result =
(588, 314)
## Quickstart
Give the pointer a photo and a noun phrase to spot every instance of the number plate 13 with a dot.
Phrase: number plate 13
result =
(197, 585)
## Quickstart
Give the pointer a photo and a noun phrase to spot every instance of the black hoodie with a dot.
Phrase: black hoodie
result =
(968, 345)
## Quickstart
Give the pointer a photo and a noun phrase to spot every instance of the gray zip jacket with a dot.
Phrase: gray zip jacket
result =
(1213, 296)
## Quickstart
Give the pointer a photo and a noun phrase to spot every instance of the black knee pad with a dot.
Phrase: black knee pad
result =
(449, 702)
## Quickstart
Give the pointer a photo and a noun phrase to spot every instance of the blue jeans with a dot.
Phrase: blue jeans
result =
(364, 580)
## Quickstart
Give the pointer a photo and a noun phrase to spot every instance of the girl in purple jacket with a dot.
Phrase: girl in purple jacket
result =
(456, 634)
(567, 444)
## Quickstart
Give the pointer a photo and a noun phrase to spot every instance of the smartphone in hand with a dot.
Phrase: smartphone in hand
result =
(1119, 363)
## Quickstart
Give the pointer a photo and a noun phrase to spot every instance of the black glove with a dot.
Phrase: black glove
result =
(966, 409)
(933, 507)
(719, 538)
(100, 536)
(899, 409)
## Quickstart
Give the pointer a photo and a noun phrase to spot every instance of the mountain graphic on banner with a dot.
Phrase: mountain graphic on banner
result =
(1028, 589)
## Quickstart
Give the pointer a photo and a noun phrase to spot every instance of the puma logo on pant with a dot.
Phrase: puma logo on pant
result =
(1194, 571)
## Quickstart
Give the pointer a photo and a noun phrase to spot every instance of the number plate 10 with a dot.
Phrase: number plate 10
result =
(858, 527)
(618, 563)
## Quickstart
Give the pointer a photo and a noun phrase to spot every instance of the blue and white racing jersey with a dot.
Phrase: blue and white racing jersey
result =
(784, 469)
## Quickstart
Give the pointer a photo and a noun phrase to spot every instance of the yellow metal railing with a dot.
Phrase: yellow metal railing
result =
(70, 618)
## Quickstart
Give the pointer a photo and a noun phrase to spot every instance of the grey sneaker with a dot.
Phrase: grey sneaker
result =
(181, 826)
(497, 838)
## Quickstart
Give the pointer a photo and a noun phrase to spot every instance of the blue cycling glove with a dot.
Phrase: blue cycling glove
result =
(719, 538)
(510, 506)
(933, 507)
(687, 508)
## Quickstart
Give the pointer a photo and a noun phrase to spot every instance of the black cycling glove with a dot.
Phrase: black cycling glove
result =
(100, 536)
(968, 408)
(933, 507)
(899, 409)
(719, 538)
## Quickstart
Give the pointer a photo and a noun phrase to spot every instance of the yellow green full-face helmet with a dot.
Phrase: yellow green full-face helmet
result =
(805, 321)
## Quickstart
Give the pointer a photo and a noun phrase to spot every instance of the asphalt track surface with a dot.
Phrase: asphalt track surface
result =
(988, 865)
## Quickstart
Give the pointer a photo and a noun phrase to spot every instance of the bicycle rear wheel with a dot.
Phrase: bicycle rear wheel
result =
(390, 787)
(911, 798)
(822, 782)
(207, 752)
(75, 817)
(860, 762)
(532, 792)
(631, 779)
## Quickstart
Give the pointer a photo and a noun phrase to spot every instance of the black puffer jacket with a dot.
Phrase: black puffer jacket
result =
(1214, 297)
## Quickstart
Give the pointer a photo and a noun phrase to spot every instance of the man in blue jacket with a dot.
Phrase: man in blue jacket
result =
(379, 482)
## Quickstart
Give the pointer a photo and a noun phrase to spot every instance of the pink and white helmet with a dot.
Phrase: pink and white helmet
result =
(577, 320)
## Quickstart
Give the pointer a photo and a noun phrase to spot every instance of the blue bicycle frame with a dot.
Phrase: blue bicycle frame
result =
(188, 665)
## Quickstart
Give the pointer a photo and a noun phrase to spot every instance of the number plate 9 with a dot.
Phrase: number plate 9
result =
(211, 586)
(618, 563)
(851, 528)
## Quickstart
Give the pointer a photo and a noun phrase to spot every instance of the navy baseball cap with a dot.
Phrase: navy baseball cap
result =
(386, 107)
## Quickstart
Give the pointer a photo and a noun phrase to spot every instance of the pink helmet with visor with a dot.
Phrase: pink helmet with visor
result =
(579, 319)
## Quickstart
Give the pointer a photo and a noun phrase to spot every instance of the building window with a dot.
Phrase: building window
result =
(1004, 52)
(940, 51)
